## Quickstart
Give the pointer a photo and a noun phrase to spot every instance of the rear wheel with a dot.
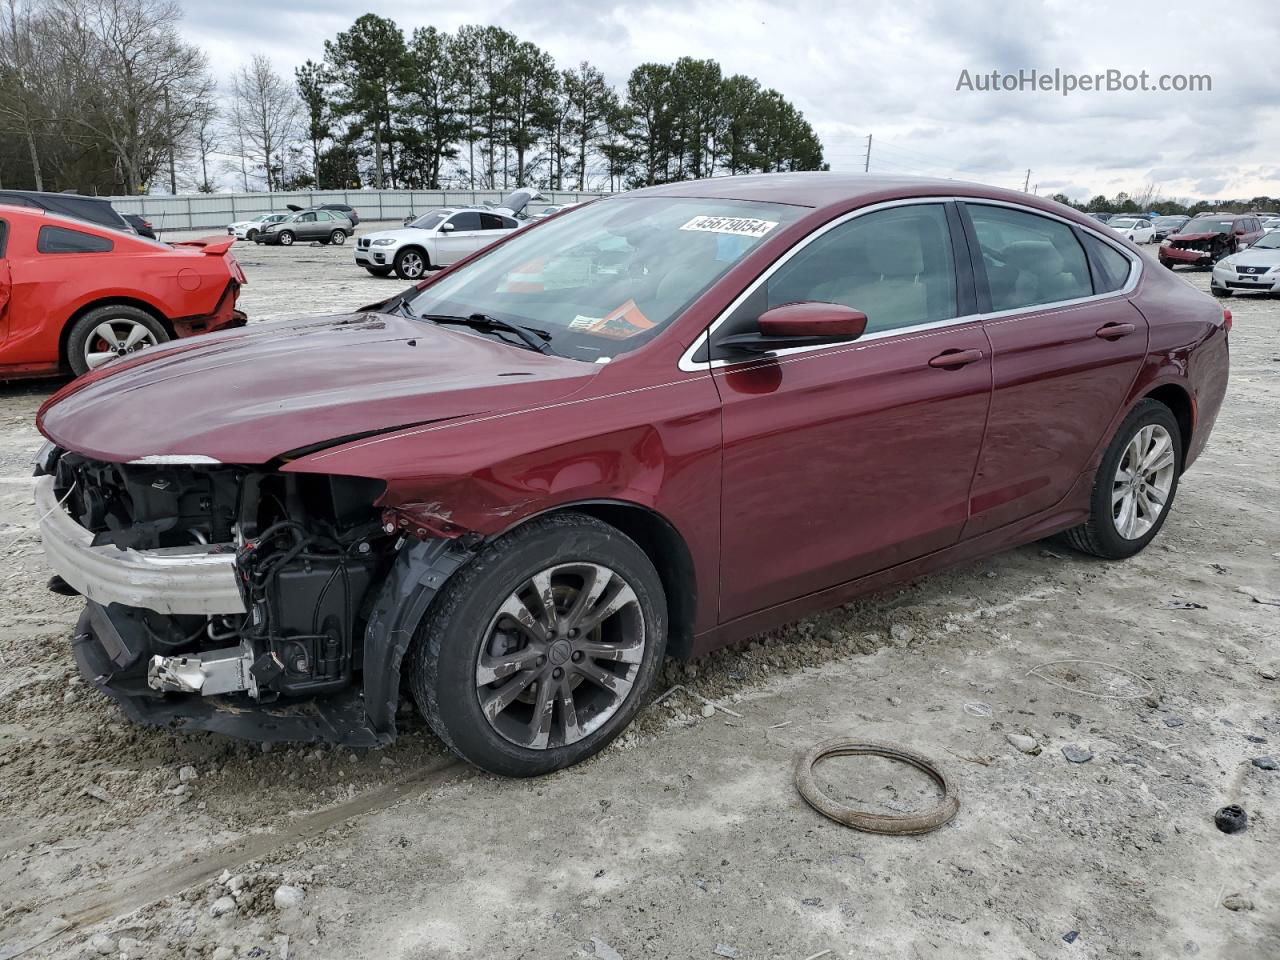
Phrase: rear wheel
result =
(410, 264)
(111, 331)
(1134, 487)
(540, 651)
(379, 271)
(338, 237)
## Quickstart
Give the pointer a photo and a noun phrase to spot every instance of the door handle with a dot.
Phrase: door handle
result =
(955, 359)
(1114, 331)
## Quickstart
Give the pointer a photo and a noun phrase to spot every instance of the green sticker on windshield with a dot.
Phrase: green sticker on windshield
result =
(737, 226)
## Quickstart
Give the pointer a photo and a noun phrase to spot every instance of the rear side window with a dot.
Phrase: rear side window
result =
(491, 221)
(1110, 267)
(4, 237)
(894, 265)
(1029, 259)
(63, 240)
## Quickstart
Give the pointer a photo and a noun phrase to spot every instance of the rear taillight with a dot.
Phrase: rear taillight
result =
(1226, 319)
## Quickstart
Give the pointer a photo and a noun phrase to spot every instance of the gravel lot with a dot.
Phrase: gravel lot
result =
(687, 838)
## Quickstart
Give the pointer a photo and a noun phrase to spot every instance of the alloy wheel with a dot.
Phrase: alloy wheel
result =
(412, 266)
(286, 238)
(561, 655)
(116, 338)
(1143, 481)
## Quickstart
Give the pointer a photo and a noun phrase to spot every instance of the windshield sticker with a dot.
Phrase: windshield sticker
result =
(737, 226)
(620, 324)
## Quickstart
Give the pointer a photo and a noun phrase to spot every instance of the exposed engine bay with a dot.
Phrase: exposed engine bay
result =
(307, 551)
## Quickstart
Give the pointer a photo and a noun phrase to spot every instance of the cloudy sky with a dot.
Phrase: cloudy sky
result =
(891, 67)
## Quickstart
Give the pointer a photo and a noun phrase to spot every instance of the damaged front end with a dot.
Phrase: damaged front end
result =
(242, 600)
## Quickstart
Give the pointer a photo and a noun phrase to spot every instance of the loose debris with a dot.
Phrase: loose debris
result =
(1266, 763)
(724, 950)
(603, 950)
(1024, 743)
(1231, 819)
(1077, 754)
(697, 696)
(1237, 902)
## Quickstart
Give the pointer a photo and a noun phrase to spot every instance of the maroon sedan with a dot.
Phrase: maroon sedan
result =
(651, 425)
(1208, 237)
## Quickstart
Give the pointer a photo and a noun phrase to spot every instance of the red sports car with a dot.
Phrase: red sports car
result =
(74, 294)
(653, 424)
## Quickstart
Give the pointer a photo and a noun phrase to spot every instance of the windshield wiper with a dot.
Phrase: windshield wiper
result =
(533, 338)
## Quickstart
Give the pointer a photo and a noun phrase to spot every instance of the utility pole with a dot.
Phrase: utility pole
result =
(866, 164)
(1027, 182)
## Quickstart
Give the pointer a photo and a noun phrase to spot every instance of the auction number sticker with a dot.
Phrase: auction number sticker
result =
(737, 226)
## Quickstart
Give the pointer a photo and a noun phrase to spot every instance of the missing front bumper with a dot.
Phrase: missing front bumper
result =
(199, 579)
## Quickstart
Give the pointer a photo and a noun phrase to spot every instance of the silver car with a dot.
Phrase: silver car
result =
(1254, 268)
(435, 239)
(326, 226)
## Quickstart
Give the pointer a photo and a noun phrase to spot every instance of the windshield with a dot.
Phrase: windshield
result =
(1268, 241)
(613, 275)
(429, 221)
(1207, 225)
(1169, 221)
(1122, 222)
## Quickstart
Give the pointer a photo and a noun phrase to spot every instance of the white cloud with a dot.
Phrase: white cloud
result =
(889, 67)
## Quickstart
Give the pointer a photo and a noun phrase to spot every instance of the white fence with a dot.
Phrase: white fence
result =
(200, 210)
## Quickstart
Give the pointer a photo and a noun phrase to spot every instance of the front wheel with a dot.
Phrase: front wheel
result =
(251, 235)
(1134, 486)
(1221, 292)
(410, 264)
(541, 650)
(286, 238)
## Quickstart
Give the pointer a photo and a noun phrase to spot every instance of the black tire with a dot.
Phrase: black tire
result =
(338, 237)
(411, 263)
(443, 661)
(84, 329)
(285, 237)
(379, 271)
(251, 235)
(1221, 292)
(1098, 535)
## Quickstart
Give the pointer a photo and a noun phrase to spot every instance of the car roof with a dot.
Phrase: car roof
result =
(822, 189)
(54, 216)
(96, 210)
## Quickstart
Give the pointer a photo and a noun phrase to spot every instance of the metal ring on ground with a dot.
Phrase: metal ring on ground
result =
(901, 824)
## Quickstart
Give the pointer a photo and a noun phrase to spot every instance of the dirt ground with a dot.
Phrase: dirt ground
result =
(687, 837)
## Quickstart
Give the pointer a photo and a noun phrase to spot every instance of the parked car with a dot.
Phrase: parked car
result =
(1167, 226)
(325, 226)
(1271, 224)
(1254, 269)
(677, 418)
(75, 294)
(93, 209)
(249, 229)
(552, 209)
(1101, 217)
(436, 239)
(343, 208)
(514, 206)
(141, 226)
(1208, 237)
(1136, 229)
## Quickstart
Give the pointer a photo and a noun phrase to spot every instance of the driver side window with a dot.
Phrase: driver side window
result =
(894, 265)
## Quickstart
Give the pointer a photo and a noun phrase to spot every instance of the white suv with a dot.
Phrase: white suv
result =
(435, 239)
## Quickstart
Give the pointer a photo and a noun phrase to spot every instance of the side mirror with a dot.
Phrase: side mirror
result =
(447, 226)
(803, 324)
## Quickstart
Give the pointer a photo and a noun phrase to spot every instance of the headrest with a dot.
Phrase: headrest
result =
(1039, 257)
(895, 251)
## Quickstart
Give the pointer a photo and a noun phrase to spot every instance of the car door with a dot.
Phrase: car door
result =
(494, 227)
(846, 459)
(1144, 231)
(5, 282)
(308, 226)
(458, 236)
(1066, 346)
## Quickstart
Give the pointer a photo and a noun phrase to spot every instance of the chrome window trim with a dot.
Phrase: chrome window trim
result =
(689, 365)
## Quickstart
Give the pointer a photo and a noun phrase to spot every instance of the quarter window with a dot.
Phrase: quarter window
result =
(894, 265)
(1110, 267)
(1029, 259)
(63, 240)
(4, 236)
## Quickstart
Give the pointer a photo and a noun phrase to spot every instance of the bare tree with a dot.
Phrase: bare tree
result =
(129, 79)
(24, 42)
(206, 140)
(265, 113)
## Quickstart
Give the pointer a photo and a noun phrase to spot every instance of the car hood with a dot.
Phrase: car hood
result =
(1252, 257)
(254, 394)
(1209, 235)
(401, 235)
